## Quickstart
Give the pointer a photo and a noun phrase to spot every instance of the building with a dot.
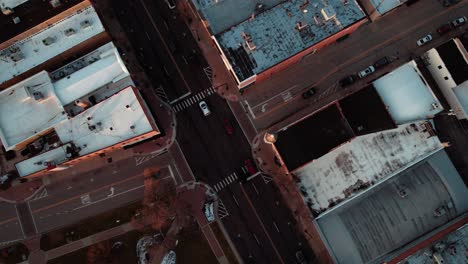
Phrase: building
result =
(7, 6)
(33, 14)
(382, 222)
(398, 90)
(84, 108)
(36, 50)
(448, 64)
(257, 39)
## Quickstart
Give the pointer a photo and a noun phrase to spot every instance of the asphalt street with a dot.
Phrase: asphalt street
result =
(256, 218)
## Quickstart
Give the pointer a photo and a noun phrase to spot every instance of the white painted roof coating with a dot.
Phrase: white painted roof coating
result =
(21, 116)
(275, 35)
(408, 98)
(11, 3)
(444, 80)
(34, 52)
(461, 92)
(116, 122)
(108, 69)
(36, 163)
(383, 6)
(366, 159)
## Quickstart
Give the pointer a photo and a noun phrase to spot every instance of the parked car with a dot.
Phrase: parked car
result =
(424, 40)
(366, 71)
(6, 179)
(228, 126)
(209, 212)
(381, 62)
(248, 163)
(459, 21)
(307, 94)
(444, 29)
(204, 107)
(348, 80)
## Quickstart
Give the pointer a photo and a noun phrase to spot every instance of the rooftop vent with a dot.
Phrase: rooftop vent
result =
(82, 104)
(328, 12)
(17, 56)
(47, 41)
(300, 25)
(248, 41)
(85, 24)
(91, 127)
(38, 96)
(69, 32)
(16, 20)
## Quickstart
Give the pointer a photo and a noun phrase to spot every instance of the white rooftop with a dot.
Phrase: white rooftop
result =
(11, 3)
(461, 92)
(272, 36)
(117, 123)
(366, 160)
(407, 95)
(108, 69)
(383, 6)
(21, 116)
(61, 36)
(113, 123)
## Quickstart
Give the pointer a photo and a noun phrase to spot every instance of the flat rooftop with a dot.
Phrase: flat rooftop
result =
(454, 60)
(31, 13)
(365, 112)
(452, 248)
(10, 4)
(275, 34)
(312, 137)
(34, 50)
(361, 163)
(121, 117)
(461, 92)
(23, 116)
(407, 95)
(383, 6)
(387, 217)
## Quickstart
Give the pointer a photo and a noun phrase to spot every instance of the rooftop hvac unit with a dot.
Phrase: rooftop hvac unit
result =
(16, 20)
(38, 96)
(248, 41)
(17, 56)
(328, 12)
(69, 32)
(7, 11)
(85, 24)
(300, 25)
(55, 3)
(47, 41)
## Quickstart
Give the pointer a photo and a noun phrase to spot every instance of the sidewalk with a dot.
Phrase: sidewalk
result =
(264, 155)
(222, 81)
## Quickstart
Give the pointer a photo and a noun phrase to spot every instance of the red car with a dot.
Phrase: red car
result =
(228, 126)
(251, 169)
(444, 29)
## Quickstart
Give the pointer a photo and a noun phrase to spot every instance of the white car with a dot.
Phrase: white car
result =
(424, 40)
(366, 71)
(459, 21)
(204, 107)
(209, 213)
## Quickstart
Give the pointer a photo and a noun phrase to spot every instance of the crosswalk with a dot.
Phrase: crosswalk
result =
(222, 211)
(225, 182)
(161, 94)
(209, 73)
(193, 99)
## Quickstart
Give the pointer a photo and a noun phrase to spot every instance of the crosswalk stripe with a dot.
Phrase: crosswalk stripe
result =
(186, 104)
(210, 92)
(197, 96)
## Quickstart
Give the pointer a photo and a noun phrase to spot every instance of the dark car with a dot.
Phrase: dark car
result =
(228, 126)
(348, 80)
(250, 167)
(444, 29)
(308, 93)
(381, 62)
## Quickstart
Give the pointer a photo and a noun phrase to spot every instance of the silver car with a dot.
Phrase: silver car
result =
(424, 40)
(204, 107)
(366, 71)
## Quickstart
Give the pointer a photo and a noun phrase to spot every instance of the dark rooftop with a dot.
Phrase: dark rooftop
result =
(454, 61)
(365, 112)
(31, 13)
(313, 137)
(375, 226)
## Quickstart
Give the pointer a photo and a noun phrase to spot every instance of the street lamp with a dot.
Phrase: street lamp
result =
(270, 137)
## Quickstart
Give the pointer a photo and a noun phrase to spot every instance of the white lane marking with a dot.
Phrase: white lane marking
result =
(32, 216)
(277, 229)
(18, 217)
(109, 197)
